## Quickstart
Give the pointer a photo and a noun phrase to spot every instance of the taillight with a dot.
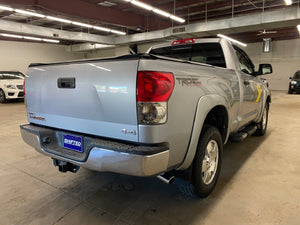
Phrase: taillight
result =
(153, 92)
(154, 86)
(24, 86)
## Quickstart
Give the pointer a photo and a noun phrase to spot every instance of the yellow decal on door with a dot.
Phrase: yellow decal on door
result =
(259, 92)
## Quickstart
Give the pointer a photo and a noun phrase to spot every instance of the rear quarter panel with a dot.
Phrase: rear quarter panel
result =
(191, 83)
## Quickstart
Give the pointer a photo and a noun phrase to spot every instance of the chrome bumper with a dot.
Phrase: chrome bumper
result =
(100, 158)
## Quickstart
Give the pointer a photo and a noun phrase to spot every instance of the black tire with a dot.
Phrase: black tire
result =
(290, 91)
(263, 124)
(205, 181)
(2, 97)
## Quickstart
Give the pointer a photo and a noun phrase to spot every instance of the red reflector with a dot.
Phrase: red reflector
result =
(24, 86)
(183, 41)
(154, 86)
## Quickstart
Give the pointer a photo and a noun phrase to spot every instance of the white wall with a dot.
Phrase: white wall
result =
(284, 57)
(110, 52)
(18, 55)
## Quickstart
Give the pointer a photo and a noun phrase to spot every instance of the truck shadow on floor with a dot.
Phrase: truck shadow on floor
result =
(136, 200)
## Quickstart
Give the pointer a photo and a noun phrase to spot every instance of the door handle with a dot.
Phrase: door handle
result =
(246, 82)
(66, 82)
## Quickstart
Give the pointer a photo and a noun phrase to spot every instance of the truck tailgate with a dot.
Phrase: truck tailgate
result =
(94, 97)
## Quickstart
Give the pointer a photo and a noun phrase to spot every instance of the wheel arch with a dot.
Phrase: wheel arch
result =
(211, 110)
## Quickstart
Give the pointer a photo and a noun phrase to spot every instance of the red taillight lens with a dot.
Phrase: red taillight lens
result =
(183, 41)
(24, 86)
(154, 86)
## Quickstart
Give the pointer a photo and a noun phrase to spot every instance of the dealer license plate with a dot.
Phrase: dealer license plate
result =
(72, 142)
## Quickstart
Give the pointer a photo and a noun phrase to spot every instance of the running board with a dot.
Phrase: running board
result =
(246, 132)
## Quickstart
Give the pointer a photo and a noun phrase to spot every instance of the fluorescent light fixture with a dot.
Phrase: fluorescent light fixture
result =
(82, 24)
(118, 32)
(30, 38)
(30, 13)
(50, 40)
(11, 35)
(298, 27)
(288, 2)
(156, 10)
(142, 5)
(58, 19)
(162, 13)
(176, 18)
(101, 28)
(6, 8)
(68, 21)
(232, 40)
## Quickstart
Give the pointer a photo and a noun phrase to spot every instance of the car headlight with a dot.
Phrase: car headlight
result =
(293, 82)
(10, 86)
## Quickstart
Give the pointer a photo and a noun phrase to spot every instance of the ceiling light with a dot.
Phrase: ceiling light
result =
(29, 13)
(101, 28)
(162, 13)
(11, 35)
(30, 38)
(232, 40)
(178, 19)
(58, 19)
(142, 5)
(156, 10)
(118, 32)
(288, 2)
(82, 24)
(50, 40)
(64, 20)
(6, 8)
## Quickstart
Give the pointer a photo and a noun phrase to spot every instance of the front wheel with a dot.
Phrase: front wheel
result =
(262, 126)
(2, 96)
(208, 161)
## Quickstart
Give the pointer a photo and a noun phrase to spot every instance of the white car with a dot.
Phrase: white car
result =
(11, 85)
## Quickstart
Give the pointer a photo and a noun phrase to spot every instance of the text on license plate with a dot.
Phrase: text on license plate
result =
(72, 142)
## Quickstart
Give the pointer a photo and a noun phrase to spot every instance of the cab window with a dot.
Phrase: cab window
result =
(246, 64)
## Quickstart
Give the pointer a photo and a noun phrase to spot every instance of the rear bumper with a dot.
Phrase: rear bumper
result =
(99, 154)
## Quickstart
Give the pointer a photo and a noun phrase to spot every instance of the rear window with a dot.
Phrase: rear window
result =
(209, 53)
(11, 75)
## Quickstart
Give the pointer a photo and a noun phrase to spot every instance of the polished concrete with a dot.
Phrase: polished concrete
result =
(259, 182)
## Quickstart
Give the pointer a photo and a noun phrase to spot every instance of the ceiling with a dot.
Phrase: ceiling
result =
(123, 16)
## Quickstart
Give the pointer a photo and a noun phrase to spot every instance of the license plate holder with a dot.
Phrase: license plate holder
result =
(73, 142)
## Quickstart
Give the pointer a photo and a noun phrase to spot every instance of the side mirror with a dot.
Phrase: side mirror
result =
(290, 78)
(264, 69)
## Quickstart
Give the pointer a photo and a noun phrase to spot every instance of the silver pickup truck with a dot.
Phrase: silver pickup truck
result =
(171, 109)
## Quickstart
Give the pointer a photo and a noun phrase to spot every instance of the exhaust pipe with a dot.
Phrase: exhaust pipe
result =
(167, 180)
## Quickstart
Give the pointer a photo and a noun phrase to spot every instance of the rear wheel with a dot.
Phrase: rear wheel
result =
(263, 123)
(207, 162)
(2, 96)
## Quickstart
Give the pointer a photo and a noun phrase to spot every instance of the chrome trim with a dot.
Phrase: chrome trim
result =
(103, 160)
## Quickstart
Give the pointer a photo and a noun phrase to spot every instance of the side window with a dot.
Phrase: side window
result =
(245, 63)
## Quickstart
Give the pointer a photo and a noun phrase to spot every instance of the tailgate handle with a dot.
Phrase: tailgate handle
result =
(66, 82)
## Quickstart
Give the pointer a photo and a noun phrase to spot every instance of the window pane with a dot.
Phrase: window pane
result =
(209, 53)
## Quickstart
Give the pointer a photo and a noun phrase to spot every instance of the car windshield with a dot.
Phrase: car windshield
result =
(11, 75)
(297, 75)
(209, 53)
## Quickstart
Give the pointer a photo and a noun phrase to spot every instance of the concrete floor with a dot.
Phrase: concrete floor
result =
(259, 182)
